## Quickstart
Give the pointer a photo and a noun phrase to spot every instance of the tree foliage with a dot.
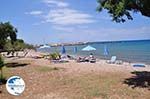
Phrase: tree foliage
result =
(18, 45)
(7, 31)
(8, 39)
(119, 9)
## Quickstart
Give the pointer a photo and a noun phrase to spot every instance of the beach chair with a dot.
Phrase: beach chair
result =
(63, 59)
(82, 59)
(113, 60)
(71, 57)
(60, 61)
(38, 57)
(119, 62)
(92, 60)
(138, 65)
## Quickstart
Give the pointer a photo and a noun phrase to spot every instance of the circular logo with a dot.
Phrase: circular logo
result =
(15, 85)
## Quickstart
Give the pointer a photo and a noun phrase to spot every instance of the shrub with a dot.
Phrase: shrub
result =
(55, 56)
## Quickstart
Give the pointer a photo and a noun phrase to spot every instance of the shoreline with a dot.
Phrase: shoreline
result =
(101, 62)
(102, 42)
(33, 53)
(103, 59)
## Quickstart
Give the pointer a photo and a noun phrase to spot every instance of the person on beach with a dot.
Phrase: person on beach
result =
(91, 58)
(91, 55)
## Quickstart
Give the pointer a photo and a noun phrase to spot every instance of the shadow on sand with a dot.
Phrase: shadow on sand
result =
(15, 64)
(140, 79)
(2, 82)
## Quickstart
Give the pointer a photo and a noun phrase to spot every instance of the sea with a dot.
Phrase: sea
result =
(137, 51)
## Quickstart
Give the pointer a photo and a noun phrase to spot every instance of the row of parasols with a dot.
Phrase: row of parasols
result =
(87, 48)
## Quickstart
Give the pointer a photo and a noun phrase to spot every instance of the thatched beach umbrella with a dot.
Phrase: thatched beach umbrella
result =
(89, 48)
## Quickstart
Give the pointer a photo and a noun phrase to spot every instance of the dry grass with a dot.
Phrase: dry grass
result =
(47, 69)
(90, 86)
(50, 82)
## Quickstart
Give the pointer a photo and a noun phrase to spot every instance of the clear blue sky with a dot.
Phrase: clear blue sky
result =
(52, 21)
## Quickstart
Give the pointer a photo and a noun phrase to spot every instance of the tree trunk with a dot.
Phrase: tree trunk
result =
(1, 79)
(1, 73)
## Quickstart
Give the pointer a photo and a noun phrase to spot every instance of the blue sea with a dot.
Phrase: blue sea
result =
(129, 51)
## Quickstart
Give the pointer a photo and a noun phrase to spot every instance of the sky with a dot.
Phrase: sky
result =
(65, 21)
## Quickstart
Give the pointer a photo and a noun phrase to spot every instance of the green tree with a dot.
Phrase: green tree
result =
(7, 31)
(120, 10)
(18, 45)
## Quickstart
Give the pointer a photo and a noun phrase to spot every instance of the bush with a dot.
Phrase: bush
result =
(18, 45)
(55, 56)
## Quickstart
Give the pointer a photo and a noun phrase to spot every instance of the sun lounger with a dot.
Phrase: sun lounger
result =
(92, 60)
(37, 57)
(80, 60)
(119, 62)
(84, 59)
(113, 60)
(70, 57)
(138, 65)
(61, 60)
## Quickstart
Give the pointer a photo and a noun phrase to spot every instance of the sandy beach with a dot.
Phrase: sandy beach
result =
(72, 80)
